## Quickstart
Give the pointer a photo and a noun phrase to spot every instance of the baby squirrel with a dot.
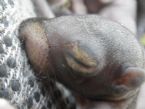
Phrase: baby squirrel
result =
(92, 56)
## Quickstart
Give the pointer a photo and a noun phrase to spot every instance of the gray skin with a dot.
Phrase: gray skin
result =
(95, 58)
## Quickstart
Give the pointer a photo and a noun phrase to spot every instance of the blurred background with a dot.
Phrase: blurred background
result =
(130, 13)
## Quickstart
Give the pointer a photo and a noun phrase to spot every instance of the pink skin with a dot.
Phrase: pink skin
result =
(79, 7)
(123, 12)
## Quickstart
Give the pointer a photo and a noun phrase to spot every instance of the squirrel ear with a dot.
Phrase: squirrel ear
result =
(32, 34)
(31, 28)
(131, 78)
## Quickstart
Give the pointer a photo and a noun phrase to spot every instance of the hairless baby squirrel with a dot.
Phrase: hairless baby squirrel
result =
(94, 57)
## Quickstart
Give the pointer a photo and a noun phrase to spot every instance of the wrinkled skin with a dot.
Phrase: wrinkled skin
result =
(100, 61)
